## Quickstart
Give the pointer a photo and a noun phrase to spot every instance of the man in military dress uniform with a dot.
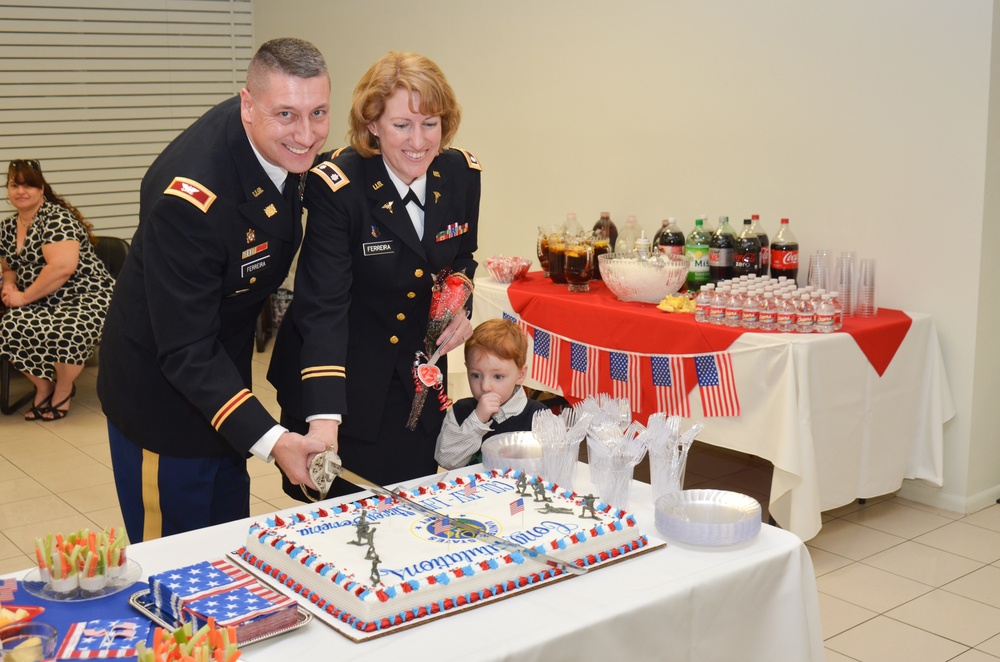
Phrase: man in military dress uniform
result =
(219, 223)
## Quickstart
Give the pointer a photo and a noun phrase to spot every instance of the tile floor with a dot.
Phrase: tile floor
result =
(898, 581)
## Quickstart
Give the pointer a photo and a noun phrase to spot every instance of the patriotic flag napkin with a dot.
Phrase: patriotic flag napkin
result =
(583, 370)
(545, 362)
(103, 639)
(237, 605)
(625, 376)
(669, 384)
(717, 385)
(171, 590)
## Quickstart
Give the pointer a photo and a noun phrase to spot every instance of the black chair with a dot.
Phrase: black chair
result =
(112, 251)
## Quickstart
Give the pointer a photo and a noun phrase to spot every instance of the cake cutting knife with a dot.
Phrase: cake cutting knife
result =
(328, 462)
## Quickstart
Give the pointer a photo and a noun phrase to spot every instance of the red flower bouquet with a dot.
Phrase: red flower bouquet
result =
(450, 292)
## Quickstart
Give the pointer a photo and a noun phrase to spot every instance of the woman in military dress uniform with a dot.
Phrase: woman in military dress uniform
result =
(384, 217)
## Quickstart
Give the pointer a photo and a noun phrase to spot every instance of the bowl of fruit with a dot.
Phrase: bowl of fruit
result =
(30, 641)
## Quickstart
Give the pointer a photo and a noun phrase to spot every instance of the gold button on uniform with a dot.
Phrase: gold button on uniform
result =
(418, 273)
(411, 295)
(401, 317)
(253, 279)
(393, 340)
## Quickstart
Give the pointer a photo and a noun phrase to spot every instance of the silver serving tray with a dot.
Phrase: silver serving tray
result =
(143, 602)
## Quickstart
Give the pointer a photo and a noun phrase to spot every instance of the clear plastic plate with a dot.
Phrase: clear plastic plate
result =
(514, 450)
(708, 517)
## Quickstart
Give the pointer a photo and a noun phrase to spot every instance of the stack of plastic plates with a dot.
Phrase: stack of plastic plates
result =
(707, 517)
(513, 450)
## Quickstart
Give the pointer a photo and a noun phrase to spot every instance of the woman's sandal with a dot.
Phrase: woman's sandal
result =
(55, 410)
(36, 411)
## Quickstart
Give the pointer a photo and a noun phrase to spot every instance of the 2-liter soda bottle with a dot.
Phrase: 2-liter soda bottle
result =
(696, 247)
(785, 253)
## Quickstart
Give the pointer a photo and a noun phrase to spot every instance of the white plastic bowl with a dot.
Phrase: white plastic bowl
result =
(708, 517)
(633, 279)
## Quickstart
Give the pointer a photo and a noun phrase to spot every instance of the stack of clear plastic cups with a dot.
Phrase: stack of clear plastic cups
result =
(866, 305)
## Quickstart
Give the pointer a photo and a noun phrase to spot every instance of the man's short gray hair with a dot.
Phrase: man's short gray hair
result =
(286, 55)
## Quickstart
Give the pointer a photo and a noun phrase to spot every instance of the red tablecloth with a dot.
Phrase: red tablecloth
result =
(598, 318)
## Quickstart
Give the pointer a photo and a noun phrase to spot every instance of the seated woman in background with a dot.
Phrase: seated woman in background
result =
(55, 288)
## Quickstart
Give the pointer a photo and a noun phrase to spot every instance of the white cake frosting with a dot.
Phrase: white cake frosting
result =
(423, 570)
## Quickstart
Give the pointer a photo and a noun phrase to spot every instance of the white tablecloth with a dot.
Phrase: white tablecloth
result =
(751, 602)
(815, 408)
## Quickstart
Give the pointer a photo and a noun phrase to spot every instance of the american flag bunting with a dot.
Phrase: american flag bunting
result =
(625, 375)
(717, 385)
(669, 385)
(545, 359)
(583, 370)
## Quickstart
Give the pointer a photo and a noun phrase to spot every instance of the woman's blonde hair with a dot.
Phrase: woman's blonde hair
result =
(410, 72)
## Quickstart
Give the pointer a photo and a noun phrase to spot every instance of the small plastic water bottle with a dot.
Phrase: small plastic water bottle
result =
(805, 314)
(767, 315)
(838, 311)
(785, 319)
(703, 302)
(750, 319)
(825, 315)
(734, 307)
(717, 311)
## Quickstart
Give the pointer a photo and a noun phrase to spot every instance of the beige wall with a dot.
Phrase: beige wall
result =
(864, 121)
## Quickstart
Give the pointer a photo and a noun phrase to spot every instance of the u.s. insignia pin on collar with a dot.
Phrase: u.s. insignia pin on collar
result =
(388, 206)
(257, 191)
(251, 235)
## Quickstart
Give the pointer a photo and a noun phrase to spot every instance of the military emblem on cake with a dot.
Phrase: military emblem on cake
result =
(454, 529)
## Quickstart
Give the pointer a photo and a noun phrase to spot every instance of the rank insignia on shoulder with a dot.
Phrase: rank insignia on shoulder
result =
(192, 191)
(331, 175)
(471, 158)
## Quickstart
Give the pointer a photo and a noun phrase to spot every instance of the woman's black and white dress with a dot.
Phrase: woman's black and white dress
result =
(65, 326)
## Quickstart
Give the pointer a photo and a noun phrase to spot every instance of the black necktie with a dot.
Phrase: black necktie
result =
(412, 197)
(291, 192)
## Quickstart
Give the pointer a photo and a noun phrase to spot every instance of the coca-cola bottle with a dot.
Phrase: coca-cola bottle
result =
(765, 246)
(669, 238)
(720, 251)
(607, 228)
(785, 253)
(746, 255)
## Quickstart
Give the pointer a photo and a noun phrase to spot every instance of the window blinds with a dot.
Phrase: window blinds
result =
(95, 90)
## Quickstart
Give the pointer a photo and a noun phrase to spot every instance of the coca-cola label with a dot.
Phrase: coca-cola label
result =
(784, 259)
(765, 255)
(720, 257)
(676, 250)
